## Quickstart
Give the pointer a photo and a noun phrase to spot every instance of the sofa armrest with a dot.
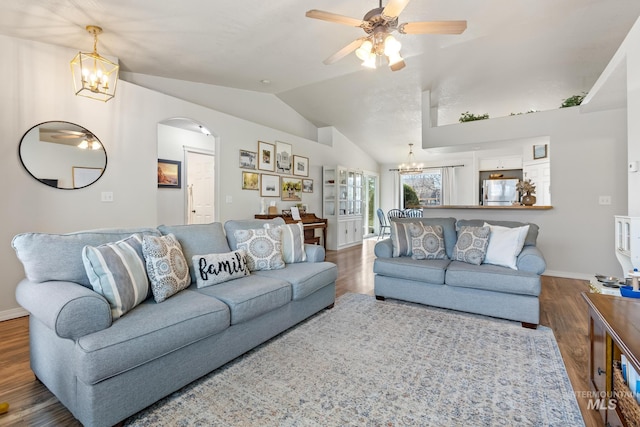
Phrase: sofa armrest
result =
(69, 309)
(531, 260)
(384, 249)
(315, 253)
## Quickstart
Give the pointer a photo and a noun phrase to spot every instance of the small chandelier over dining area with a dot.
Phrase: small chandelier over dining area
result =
(410, 167)
(94, 76)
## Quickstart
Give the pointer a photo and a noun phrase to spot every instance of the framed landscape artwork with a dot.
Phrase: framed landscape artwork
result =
(250, 180)
(300, 166)
(283, 157)
(540, 151)
(291, 189)
(307, 186)
(248, 159)
(266, 156)
(269, 185)
(169, 174)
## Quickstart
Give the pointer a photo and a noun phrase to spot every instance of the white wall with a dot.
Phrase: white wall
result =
(127, 127)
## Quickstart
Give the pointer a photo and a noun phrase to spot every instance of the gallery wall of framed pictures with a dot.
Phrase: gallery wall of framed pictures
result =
(275, 171)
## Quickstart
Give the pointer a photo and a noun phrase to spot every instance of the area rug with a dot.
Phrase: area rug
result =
(384, 363)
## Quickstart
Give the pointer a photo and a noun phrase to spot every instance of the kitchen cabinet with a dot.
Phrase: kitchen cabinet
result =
(512, 162)
(343, 206)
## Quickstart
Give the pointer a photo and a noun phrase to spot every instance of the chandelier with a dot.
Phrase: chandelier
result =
(411, 167)
(93, 75)
(380, 44)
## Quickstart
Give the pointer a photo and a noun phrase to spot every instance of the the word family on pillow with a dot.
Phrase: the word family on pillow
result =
(402, 234)
(505, 244)
(212, 269)
(472, 243)
(117, 272)
(166, 266)
(429, 244)
(263, 248)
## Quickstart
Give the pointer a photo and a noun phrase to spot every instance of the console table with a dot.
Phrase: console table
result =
(310, 222)
(614, 330)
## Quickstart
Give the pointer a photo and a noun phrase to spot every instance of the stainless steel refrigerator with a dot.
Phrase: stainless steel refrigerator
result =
(499, 192)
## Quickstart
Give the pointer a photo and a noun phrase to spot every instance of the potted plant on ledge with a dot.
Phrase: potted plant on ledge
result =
(527, 189)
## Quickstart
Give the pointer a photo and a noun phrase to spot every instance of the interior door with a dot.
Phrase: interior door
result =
(200, 187)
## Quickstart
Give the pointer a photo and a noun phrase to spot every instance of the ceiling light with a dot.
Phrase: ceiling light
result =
(93, 75)
(381, 44)
(364, 51)
(92, 143)
(411, 167)
(204, 130)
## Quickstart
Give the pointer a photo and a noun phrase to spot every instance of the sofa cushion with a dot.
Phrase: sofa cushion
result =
(293, 243)
(263, 247)
(431, 271)
(402, 235)
(117, 271)
(472, 243)
(212, 269)
(251, 296)
(231, 226)
(305, 278)
(448, 228)
(429, 244)
(197, 239)
(492, 278)
(505, 244)
(167, 267)
(149, 332)
(532, 234)
(48, 257)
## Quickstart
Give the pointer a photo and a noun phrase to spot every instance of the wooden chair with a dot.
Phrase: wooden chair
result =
(383, 224)
(413, 213)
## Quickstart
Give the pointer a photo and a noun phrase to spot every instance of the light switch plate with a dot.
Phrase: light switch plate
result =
(107, 196)
(604, 200)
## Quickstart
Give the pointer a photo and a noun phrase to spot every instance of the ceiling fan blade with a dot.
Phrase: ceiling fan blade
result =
(433, 27)
(394, 8)
(344, 51)
(333, 17)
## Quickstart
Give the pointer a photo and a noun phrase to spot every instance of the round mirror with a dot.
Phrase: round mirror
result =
(63, 155)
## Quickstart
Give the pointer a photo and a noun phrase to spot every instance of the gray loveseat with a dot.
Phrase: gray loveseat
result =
(486, 289)
(103, 370)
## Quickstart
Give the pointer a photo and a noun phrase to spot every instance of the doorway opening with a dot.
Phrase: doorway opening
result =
(371, 203)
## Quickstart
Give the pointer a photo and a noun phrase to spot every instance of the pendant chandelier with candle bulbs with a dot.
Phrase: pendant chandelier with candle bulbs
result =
(94, 76)
(411, 167)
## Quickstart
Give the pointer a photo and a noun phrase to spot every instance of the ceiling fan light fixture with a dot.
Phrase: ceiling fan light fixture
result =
(370, 61)
(396, 63)
(94, 76)
(391, 46)
(364, 51)
(84, 144)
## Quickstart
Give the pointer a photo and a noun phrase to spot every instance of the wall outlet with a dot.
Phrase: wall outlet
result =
(604, 200)
(107, 196)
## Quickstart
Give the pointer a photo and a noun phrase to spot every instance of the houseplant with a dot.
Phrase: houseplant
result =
(528, 189)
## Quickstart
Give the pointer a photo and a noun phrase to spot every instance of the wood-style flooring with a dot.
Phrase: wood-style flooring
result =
(562, 309)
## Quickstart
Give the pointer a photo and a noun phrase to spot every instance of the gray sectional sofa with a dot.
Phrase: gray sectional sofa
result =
(105, 370)
(487, 289)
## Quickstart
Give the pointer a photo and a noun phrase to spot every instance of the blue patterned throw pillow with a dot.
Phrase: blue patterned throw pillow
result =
(166, 266)
(472, 243)
(263, 247)
(429, 244)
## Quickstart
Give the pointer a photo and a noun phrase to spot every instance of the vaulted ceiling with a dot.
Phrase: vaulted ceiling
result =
(515, 56)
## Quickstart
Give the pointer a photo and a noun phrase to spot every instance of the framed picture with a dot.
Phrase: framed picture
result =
(291, 189)
(300, 166)
(250, 180)
(540, 151)
(283, 157)
(169, 173)
(266, 156)
(269, 185)
(248, 159)
(307, 185)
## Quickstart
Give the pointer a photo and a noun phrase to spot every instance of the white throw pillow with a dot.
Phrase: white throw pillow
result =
(212, 269)
(505, 244)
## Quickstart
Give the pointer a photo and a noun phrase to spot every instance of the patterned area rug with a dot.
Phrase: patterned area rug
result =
(373, 363)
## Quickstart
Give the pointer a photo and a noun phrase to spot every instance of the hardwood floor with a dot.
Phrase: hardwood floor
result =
(562, 309)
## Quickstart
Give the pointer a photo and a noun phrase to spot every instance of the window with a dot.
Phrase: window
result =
(422, 189)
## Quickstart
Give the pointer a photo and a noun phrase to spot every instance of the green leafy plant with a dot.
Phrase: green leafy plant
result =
(470, 117)
(573, 101)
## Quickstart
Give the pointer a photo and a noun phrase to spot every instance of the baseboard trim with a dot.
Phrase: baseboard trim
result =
(13, 313)
(568, 275)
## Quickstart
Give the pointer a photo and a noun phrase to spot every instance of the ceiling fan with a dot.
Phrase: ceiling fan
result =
(379, 23)
(82, 139)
